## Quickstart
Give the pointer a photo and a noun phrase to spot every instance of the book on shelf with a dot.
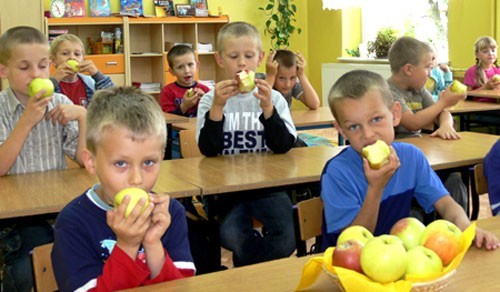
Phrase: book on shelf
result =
(75, 8)
(100, 8)
(131, 7)
(164, 8)
(205, 48)
(148, 86)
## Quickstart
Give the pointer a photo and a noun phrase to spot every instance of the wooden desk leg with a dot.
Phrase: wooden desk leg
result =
(168, 147)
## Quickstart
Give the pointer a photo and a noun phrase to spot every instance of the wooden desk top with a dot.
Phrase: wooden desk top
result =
(443, 154)
(478, 271)
(173, 118)
(468, 106)
(309, 118)
(49, 191)
(484, 93)
(230, 173)
(301, 118)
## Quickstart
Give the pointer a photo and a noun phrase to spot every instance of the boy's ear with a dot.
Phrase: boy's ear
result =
(261, 57)
(396, 113)
(408, 69)
(3, 71)
(88, 161)
(339, 129)
(218, 59)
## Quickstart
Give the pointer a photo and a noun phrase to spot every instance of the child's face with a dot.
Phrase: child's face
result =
(27, 62)
(285, 79)
(68, 50)
(487, 56)
(184, 68)
(421, 72)
(239, 53)
(121, 161)
(366, 120)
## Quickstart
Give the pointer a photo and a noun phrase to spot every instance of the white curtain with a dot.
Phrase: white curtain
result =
(341, 4)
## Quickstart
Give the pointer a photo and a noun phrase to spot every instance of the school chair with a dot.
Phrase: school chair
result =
(479, 186)
(42, 269)
(188, 145)
(309, 217)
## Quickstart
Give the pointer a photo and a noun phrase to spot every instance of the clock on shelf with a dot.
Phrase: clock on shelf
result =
(57, 8)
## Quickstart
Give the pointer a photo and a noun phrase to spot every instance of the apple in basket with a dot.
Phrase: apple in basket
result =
(348, 255)
(377, 154)
(135, 195)
(423, 262)
(409, 230)
(355, 232)
(384, 258)
(444, 238)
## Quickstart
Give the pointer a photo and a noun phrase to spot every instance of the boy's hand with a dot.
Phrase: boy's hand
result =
(36, 108)
(64, 113)
(451, 98)
(88, 66)
(271, 64)
(486, 239)
(224, 90)
(264, 96)
(160, 220)
(63, 71)
(190, 101)
(301, 64)
(130, 230)
(446, 132)
(378, 178)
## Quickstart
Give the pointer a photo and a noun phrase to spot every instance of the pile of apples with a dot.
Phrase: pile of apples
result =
(411, 248)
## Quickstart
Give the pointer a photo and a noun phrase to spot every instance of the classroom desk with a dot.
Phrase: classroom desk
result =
(49, 191)
(478, 271)
(169, 120)
(446, 154)
(484, 93)
(465, 108)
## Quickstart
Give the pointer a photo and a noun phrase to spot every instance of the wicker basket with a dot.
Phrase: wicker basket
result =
(430, 286)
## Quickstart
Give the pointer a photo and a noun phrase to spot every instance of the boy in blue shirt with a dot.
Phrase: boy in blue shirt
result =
(355, 194)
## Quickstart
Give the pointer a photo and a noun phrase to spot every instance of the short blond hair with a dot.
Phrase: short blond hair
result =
(124, 107)
(54, 47)
(238, 29)
(19, 35)
(354, 85)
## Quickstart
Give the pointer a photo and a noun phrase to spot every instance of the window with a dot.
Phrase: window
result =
(426, 20)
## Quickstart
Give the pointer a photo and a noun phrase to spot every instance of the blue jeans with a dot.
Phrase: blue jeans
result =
(274, 211)
(16, 242)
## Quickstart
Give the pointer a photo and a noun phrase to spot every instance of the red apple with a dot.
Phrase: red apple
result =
(38, 84)
(135, 195)
(356, 232)
(444, 238)
(246, 80)
(384, 258)
(423, 262)
(348, 255)
(409, 230)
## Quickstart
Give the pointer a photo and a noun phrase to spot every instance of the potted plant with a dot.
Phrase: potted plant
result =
(280, 22)
(383, 42)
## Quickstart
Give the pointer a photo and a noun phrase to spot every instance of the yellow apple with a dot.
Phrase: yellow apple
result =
(409, 230)
(423, 262)
(38, 84)
(384, 258)
(458, 87)
(246, 80)
(73, 64)
(191, 92)
(496, 78)
(135, 195)
(377, 154)
(354, 232)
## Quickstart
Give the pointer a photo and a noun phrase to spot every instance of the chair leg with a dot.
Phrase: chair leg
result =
(474, 197)
(299, 243)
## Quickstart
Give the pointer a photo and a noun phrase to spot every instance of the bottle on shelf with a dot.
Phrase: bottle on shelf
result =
(118, 41)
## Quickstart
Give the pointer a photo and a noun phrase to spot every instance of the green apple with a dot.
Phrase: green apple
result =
(495, 78)
(38, 84)
(423, 262)
(73, 64)
(444, 238)
(348, 255)
(246, 80)
(409, 230)
(191, 92)
(354, 232)
(384, 258)
(135, 195)
(458, 87)
(377, 154)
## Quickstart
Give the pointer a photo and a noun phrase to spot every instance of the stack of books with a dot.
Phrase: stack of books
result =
(148, 86)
